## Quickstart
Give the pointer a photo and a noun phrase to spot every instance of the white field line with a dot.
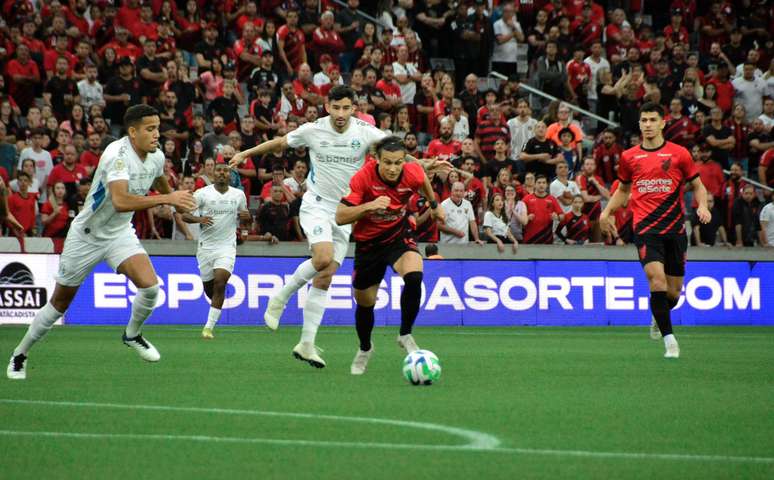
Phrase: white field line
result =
(477, 441)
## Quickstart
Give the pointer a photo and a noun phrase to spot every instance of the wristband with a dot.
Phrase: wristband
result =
(433, 204)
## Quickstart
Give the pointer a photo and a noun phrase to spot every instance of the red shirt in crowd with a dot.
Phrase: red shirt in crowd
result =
(657, 178)
(576, 227)
(60, 173)
(23, 209)
(392, 223)
(388, 88)
(427, 231)
(444, 151)
(294, 45)
(607, 159)
(57, 226)
(539, 229)
(681, 131)
(711, 174)
(592, 209)
(327, 41)
(89, 159)
(578, 73)
(767, 162)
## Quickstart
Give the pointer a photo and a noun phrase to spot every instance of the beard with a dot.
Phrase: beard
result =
(217, 130)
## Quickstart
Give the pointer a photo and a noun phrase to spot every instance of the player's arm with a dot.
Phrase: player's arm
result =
(618, 200)
(700, 194)
(762, 174)
(278, 143)
(346, 214)
(762, 234)
(123, 201)
(436, 211)
(182, 225)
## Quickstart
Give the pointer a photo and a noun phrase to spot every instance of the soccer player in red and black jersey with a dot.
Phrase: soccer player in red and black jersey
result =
(653, 174)
(385, 236)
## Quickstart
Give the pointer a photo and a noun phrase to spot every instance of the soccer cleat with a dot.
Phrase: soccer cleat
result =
(655, 333)
(360, 362)
(408, 343)
(672, 348)
(308, 352)
(144, 348)
(207, 334)
(17, 367)
(273, 313)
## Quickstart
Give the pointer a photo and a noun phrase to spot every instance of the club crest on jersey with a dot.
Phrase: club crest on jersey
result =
(355, 144)
(666, 164)
(317, 230)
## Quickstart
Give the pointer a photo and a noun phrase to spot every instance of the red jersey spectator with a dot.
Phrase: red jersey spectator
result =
(24, 205)
(55, 213)
(766, 168)
(607, 154)
(24, 76)
(574, 227)
(592, 188)
(128, 14)
(710, 172)
(444, 148)
(247, 51)
(489, 130)
(121, 46)
(325, 40)
(542, 210)
(290, 43)
(144, 28)
(389, 87)
(69, 171)
(305, 89)
(679, 128)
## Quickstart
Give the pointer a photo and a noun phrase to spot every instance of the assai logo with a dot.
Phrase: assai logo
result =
(18, 290)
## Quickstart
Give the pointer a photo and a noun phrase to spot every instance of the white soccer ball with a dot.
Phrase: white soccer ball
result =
(421, 368)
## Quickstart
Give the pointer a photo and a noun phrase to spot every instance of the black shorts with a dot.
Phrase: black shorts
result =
(371, 263)
(667, 249)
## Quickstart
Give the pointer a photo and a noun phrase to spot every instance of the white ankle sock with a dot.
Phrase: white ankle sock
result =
(212, 317)
(313, 313)
(142, 306)
(39, 327)
(301, 277)
(670, 340)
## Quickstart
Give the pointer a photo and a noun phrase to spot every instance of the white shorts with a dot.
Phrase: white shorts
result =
(318, 219)
(210, 261)
(81, 254)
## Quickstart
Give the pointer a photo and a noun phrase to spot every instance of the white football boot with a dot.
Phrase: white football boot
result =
(308, 352)
(144, 348)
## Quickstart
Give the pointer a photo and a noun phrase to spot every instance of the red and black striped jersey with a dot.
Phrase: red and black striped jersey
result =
(539, 229)
(383, 226)
(657, 177)
(681, 131)
(592, 209)
(607, 160)
(576, 227)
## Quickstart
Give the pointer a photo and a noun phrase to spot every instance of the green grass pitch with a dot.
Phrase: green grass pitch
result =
(512, 403)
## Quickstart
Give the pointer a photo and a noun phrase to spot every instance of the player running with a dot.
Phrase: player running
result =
(658, 169)
(103, 230)
(337, 148)
(385, 235)
(219, 206)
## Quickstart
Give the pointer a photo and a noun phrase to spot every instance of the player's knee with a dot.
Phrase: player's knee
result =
(147, 296)
(413, 282)
(322, 262)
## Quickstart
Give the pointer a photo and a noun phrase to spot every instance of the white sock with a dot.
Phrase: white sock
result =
(301, 277)
(212, 317)
(38, 328)
(313, 313)
(142, 307)
(670, 340)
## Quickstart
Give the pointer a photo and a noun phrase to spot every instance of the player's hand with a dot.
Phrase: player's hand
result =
(205, 221)
(438, 214)
(500, 246)
(530, 217)
(607, 225)
(182, 200)
(273, 240)
(237, 160)
(479, 242)
(245, 216)
(459, 233)
(704, 214)
(382, 202)
(13, 223)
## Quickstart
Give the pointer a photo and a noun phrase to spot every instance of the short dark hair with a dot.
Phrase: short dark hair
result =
(24, 174)
(136, 113)
(340, 92)
(431, 249)
(390, 144)
(652, 107)
(278, 167)
(541, 176)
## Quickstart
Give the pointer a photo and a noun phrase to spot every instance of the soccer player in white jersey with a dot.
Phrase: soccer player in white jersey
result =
(337, 147)
(218, 205)
(103, 231)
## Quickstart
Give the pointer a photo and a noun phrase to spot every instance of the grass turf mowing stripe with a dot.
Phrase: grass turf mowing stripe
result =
(478, 441)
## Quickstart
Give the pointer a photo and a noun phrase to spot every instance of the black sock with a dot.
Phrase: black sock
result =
(659, 305)
(409, 301)
(672, 302)
(364, 324)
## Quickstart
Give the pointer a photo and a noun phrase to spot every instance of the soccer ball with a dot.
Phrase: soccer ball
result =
(421, 368)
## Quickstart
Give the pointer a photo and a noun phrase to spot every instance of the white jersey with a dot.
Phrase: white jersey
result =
(119, 161)
(223, 208)
(335, 157)
(458, 217)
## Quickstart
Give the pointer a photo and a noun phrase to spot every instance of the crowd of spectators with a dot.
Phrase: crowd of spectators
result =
(227, 75)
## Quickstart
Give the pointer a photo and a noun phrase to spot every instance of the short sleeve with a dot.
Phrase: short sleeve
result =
(357, 189)
(242, 201)
(557, 207)
(418, 175)
(374, 134)
(47, 208)
(199, 197)
(488, 220)
(471, 216)
(117, 169)
(300, 136)
(687, 166)
(624, 170)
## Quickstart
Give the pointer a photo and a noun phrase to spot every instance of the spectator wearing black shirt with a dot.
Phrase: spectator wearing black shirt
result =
(61, 91)
(541, 154)
(209, 48)
(173, 123)
(121, 92)
(225, 106)
(347, 25)
(551, 73)
(706, 234)
(296, 232)
(500, 161)
(274, 215)
(719, 137)
(746, 217)
(151, 71)
(429, 22)
(471, 99)
(214, 141)
(184, 90)
(688, 98)
(263, 77)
